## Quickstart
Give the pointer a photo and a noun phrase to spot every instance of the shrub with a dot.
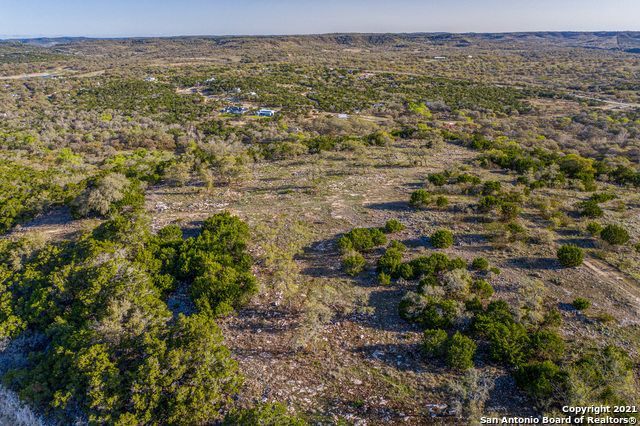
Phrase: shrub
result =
(457, 263)
(433, 342)
(594, 228)
(509, 211)
(495, 270)
(458, 281)
(393, 226)
(614, 235)
(602, 198)
(267, 414)
(459, 352)
(384, 279)
(377, 237)
(474, 305)
(361, 239)
(437, 179)
(591, 210)
(480, 264)
(546, 344)
(427, 311)
(491, 187)
(540, 379)
(442, 202)
(570, 256)
(482, 289)
(488, 203)
(353, 263)
(406, 271)
(397, 245)
(390, 262)
(420, 199)
(442, 239)
(581, 304)
(508, 342)
(429, 281)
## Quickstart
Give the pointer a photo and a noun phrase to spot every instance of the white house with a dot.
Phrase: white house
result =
(266, 113)
(150, 79)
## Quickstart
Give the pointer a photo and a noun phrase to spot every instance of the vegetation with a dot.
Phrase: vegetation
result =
(615, 235)
(129, 296)
(570, 256)
(442, 239)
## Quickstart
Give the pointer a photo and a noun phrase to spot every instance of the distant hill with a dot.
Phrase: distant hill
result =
(46, 41)
(627, 41)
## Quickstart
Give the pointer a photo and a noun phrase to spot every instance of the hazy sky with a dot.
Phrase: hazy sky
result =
(132, 18)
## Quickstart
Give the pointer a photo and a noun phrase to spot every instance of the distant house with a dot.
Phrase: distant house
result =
(150, 79)
(252, 93)
(449, 124)
(266, 113)
(439, 58)
(366, 75)
(235, 110)
(343, 116)
(210, 79)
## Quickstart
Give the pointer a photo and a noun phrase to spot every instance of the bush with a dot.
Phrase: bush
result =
(397, 245)
(393, 226)
(570, 256)
(427, 311)
(509, 212)
(353, 263)
(480, 264)
(429, 281)
(602, 198)
(378, 237)
(594, 228)
(591, 210)
(384, 279)
(263, 415)
(488, 203)
(546, 344)
(491, 187)
(540, 379)
(482, 289)
(581, 304)
(361, 239)
(442, 202)
(495, 270)
(420, 199)
(390, 262)
(614, 235)
(459, 352)
(437, 179)
(433, 342)
(509, 341)
(442, 239)
(474, 305)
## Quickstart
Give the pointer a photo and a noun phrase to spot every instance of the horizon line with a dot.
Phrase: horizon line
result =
(5, 38)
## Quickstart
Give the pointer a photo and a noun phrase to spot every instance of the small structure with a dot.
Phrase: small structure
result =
(439, 58)
(150, 79)
(343, 116)
(449, 124)
(252, 93)
(266, 113)
(235, 110)
(210, 79)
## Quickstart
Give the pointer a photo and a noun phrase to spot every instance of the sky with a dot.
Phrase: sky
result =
(146, 18)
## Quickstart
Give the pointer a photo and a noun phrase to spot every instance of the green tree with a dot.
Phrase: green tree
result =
(570, 256)
(442, 239)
